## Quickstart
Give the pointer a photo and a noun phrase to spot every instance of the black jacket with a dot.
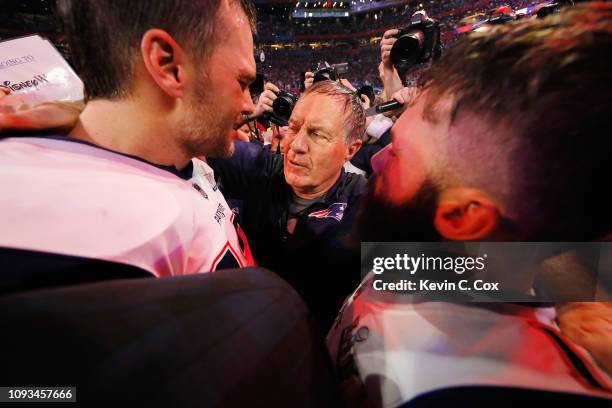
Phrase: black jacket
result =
(363, 159)
(315, 258)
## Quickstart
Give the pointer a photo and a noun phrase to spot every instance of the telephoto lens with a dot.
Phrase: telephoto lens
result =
(408, 48)
(416, 43)
(282, 108)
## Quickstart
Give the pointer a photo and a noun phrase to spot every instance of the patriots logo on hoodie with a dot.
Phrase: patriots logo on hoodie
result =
(336, 211)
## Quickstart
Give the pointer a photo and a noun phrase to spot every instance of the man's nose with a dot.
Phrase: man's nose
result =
(299, 143)
(247, 106)
(380, 159)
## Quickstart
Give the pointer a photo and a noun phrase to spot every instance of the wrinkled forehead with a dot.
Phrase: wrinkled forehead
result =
(321, 109)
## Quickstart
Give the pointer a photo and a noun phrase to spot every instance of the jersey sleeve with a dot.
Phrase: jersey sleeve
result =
(249, 162)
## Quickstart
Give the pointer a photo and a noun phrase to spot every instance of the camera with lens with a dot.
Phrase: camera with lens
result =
(324, 71)
(553, 7)
(368, 91)
(416, 43)
(282, 107)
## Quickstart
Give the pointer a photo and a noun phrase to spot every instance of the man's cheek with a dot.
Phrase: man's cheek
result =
(386, 173)
(284, 142)
(404, 186)
(390, 184)
(231, 148)
(293, 179)
(379, 186)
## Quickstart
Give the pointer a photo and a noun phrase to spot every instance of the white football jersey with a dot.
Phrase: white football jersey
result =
(412, 348)
(63, 196)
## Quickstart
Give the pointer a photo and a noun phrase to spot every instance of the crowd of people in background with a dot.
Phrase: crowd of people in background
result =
(310, 41)
(360, 48)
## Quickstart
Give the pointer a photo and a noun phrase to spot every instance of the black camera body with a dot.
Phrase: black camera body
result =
(554, 7)
(324, 71)
(282, 107)
(368, 91)
(416, 43)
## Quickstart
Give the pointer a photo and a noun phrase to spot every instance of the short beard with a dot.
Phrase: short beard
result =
(206, 132)
(380, 221)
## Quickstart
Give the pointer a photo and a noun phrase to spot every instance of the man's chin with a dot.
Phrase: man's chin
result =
(223, 151)
(380, 221)
(295, 181)
(231, 147)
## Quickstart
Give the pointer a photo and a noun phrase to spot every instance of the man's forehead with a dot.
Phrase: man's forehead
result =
(320, 111)
(320, 108)
(234, 30)
(235, 50)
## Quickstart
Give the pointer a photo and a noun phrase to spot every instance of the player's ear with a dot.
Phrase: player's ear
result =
(353, 148)
(464, 214)
(165, 61)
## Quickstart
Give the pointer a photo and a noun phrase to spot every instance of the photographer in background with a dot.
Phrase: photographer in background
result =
(257, 127)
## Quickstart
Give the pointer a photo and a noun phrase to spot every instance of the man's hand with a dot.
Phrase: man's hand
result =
(10, 102)
(308, 79)
(387, 72)
(385, 47)
(266, 99)
(390, 79)
(589, 324)
(405, 96)
(16, 115)
(365, 101)
(347, 84)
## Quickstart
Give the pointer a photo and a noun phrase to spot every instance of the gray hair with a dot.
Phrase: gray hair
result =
(354, 115)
